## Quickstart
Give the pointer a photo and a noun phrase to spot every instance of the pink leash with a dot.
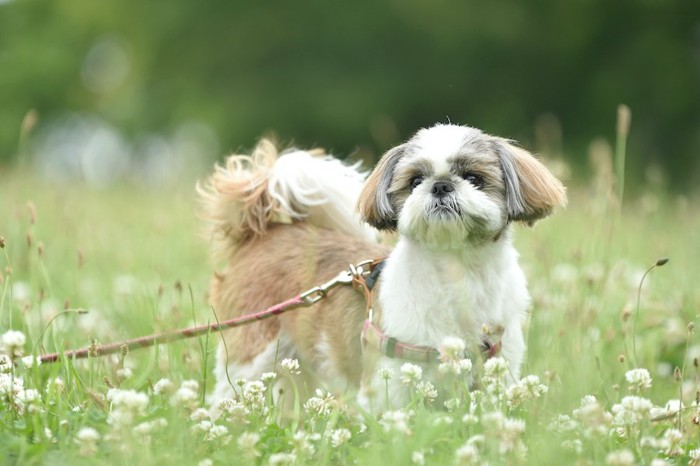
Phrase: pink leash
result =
(167, 337)
(305, 299)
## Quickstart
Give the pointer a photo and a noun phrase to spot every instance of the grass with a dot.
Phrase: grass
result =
(81, 264)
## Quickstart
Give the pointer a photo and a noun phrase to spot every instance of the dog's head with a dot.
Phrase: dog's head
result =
(453, 184)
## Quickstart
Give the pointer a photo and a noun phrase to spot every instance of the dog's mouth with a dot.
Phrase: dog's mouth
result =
(444, 208)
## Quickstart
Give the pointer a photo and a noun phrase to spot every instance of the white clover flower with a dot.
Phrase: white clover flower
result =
(126, 405)
(206, 462)
(202, 427)
(131, 399)
(659, 462)
(418, 457)
(20, 291)
(452, 404)
(694, 454)
(56, 384)
(199, 414)
(268, 377)
(672, 407)
(124, 373)
(563, 424)
(12, 342)
(594, 419)
(620, 458)
(163, 387)
(31, 361)
(302, 442)
(10, 386)
(451, 349)
(191, 385)
(386, 373)
(574, 445)
(631, 410)
(86, 439)
(674, 440)
(254, 396)
(516, 395)
(654, 443)
(212, 432)
(442, 420)
(282, 459)
(218, 433)
(470, 419)
(533, 386)
(510, 436)
(426, 391)
(339, 437)
(321, 405)
(236, 411)
(254, 388)
(638, 380)
(6, 365)
(467, 455)
(411, 373)
(395, 421)
(496, 367)
(564, 273)
(28, 400)
(513, 426)
(149, 427)
(187, 395)
(247, 442)
(493, 420)
(594, 273)
(455, 367)
(291, 365)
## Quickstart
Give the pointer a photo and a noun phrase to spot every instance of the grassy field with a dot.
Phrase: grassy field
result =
(81, 264)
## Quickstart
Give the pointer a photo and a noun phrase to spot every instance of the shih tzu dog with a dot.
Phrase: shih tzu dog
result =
(286, 223)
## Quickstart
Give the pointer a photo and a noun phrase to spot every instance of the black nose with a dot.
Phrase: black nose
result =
(441, 188)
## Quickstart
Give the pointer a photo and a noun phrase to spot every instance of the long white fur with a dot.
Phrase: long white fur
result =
(321, 190)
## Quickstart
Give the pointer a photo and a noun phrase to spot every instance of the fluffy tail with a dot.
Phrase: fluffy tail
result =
(250, 192)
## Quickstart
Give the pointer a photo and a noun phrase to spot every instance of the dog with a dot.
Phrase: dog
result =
(286, 223)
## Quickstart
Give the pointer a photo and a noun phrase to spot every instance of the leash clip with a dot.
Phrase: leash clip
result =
(317, 293)
(346, 277)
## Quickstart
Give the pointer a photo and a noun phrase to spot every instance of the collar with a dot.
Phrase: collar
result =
(390, 346)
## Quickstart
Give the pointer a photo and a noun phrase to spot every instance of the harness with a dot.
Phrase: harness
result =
(374, 337)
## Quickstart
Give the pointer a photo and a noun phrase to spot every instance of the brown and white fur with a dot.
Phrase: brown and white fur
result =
(286, 223)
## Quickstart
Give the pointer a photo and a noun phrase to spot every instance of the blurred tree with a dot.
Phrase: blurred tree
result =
(361, 75)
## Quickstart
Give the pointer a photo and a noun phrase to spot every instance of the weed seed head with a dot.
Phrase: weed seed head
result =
(624, 118)
(32, 212)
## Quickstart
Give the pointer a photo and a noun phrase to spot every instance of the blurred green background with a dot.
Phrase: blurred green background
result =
(151, 90)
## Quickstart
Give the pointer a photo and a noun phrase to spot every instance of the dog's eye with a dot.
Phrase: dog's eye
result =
(475, 179)
(415, 181)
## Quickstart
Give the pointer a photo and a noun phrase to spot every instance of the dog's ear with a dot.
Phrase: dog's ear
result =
(375, 203)
(532, 192)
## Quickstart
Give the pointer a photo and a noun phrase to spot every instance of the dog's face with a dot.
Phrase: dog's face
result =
(451, 185)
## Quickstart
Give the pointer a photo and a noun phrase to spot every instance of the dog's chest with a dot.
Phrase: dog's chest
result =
(428, 301)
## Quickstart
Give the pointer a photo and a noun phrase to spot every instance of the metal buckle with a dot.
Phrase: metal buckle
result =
(345, 277)
(358, 269)
(319, 292)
